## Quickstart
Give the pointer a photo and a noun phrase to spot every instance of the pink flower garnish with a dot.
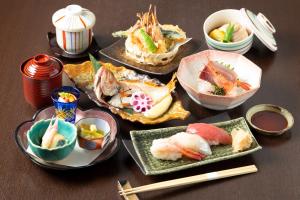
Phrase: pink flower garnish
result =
(141, 102)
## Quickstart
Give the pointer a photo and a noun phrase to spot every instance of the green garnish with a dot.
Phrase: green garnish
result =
(147, 41)
(128, 110)
(229, 33)
(219, 91)
(86, 131)
(95, 63)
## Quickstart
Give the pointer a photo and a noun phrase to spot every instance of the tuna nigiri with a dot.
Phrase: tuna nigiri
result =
(212, 134)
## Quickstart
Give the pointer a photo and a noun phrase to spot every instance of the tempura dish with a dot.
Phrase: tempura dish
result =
(149, 42)
(219, 80)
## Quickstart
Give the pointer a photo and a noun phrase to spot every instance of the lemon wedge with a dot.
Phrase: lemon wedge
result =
(217, 34)
(160, 108)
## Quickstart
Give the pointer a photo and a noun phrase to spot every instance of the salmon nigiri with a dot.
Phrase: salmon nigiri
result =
(212, 134)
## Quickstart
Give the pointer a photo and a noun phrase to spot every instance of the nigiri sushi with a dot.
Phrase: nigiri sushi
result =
(163, 149)
(178, 145)
(212, 134)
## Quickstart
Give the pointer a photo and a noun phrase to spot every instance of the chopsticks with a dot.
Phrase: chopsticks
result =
(191, 180)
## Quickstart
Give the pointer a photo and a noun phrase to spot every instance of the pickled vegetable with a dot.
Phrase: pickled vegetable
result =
(90, 131)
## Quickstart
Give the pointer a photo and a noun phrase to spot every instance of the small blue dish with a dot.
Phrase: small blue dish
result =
(66, 111)
(37, 131)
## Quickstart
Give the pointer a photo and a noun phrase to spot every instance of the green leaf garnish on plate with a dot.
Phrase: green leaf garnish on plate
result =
(229, 33)
(128, 110)
(95, 63)
(219, 91)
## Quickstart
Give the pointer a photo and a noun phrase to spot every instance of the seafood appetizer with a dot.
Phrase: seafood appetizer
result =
(231, 32)
(195, 142)
(66, 97)
(219, 79)
(149, 42)
(133, 96)
(52, 138)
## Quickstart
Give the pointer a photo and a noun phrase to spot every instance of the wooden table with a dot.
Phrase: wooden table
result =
(23, 34)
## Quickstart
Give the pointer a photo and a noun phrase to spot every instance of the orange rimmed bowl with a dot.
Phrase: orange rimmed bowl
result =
(191, 66)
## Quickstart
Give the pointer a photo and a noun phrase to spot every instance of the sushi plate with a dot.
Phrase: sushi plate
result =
(142, 141)
(130, 148)
(116, 52)
(79, 158)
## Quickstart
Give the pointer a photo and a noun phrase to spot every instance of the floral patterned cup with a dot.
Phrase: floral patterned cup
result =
(65, 110)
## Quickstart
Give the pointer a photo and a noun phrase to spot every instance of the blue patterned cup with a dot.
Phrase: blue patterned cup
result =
(65, 110)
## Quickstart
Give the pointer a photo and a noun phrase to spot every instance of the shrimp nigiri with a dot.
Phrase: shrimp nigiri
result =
(180, 144)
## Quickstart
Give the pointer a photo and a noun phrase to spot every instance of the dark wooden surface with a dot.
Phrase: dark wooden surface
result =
(24, 25)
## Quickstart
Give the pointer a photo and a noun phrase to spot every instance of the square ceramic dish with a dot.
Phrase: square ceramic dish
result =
(116, 52)
(142, 141)
(79, 158)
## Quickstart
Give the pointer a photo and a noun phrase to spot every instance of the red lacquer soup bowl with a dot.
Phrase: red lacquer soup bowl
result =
(41, 74)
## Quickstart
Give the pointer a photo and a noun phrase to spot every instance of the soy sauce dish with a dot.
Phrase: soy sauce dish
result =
(269, 119)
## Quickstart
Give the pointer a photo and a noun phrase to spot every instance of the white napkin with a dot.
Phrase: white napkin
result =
(77, 158)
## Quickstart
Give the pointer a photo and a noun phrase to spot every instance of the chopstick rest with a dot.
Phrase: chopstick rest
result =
(191, 180)
(123, 185)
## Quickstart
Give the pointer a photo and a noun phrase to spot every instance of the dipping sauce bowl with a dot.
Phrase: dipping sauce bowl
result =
(269, 119)
(41, 74)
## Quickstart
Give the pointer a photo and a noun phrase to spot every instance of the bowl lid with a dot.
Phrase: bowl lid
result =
(42, 66)
(262, 28)
(73, 18)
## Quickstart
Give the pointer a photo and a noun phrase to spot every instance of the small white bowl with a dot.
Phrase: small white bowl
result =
(92, 144)
(220, 18)
(191, 66)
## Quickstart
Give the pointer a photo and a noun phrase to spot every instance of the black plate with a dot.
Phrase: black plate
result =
(21, 140)
(57, 51)
(116, 52)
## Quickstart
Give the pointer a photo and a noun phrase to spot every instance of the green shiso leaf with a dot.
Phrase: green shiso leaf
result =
(95, 63)
(219, 91)
(229, 33)
(128, 110)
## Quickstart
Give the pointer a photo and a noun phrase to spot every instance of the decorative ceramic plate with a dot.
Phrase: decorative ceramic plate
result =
(116, 52)
(79, 158)
(57, 51)
(80, 74)
(142, 141)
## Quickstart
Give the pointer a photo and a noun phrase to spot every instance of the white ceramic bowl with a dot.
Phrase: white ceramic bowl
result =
(92, 144)
(191, 66)
(74, 28)
(220, 18)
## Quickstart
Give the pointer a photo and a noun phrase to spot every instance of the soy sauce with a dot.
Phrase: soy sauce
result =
(269, 121)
